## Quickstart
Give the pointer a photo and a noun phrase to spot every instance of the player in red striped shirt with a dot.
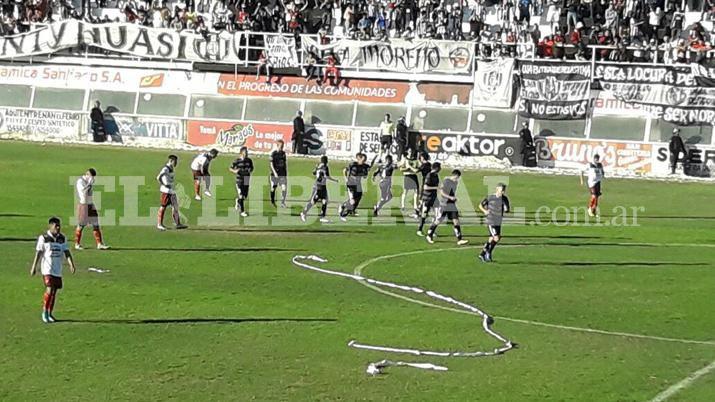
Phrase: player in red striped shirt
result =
(51, 247)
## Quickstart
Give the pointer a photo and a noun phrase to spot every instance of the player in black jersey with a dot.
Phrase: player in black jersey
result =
(384, 172)
(448, 208)
(354, 175)
(279, 173)
(424, 169)
(242, 168)
(320, 190)
(429, 195)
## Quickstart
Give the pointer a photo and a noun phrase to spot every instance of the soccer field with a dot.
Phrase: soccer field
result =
(616, 311)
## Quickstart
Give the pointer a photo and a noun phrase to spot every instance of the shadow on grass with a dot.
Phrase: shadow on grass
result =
(198, 320)
(261, 230)
(12, 239)
(567, 244)
(609, 264)
(566, 237)
(204, 249)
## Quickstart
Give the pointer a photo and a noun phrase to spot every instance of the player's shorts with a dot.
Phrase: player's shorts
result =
(494, 230)
(385, 189)
(596, 189)
(278, 181)
(320, 193)
(354, 192)
(87, 215)
(429, 196)
(197, 174)
(52, 281)
(410, 183)
(168, 199)
(385, 141)
(448, 211)
(242, 190)
(428, 202)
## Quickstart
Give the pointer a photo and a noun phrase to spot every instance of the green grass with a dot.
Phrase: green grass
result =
(280, 333)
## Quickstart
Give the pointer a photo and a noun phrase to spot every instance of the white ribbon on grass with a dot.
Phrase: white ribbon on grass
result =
(302, 261)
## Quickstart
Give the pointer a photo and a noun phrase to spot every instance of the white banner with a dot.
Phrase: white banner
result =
(109, 78)
(144, 130)
(493, 83)
(399, 55)
(39, 125)
(280, 51)
(125, 38)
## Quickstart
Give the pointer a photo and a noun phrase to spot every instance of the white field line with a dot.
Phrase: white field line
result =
(684, 383)
(362, 266)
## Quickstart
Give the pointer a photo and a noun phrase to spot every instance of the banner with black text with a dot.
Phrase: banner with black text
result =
(671, 93)
(280, 51)
(137, 40)
(554, 91)
(399, 55)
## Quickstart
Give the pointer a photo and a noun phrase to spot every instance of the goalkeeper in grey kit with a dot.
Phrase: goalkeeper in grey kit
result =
(494, 207)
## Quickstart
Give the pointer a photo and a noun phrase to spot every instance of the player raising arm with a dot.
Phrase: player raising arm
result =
(200, 171)
(494, 207)
(51, 247)
(86, 211)
(595, 174)
(320, 190)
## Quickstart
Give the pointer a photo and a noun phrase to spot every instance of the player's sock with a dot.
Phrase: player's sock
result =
(53, 297)
(175, 215)
(487, 247)
(458, 231)
(78, 235)
(97, 235)
(492, 245)
(46, 302)
(323, 210)
(240, 204)
(307, 208)
(344, 209)
(431, 230)
(273, 195)
(284, 195)
(422, 223)
(197, 188)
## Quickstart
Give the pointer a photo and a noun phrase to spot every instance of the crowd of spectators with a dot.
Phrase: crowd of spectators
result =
(633, 30)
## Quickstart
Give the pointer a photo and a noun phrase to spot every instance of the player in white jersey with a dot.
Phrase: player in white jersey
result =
(86, 211)
(168, 195)
(200, 171)
(594, 176)
(51, 247)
